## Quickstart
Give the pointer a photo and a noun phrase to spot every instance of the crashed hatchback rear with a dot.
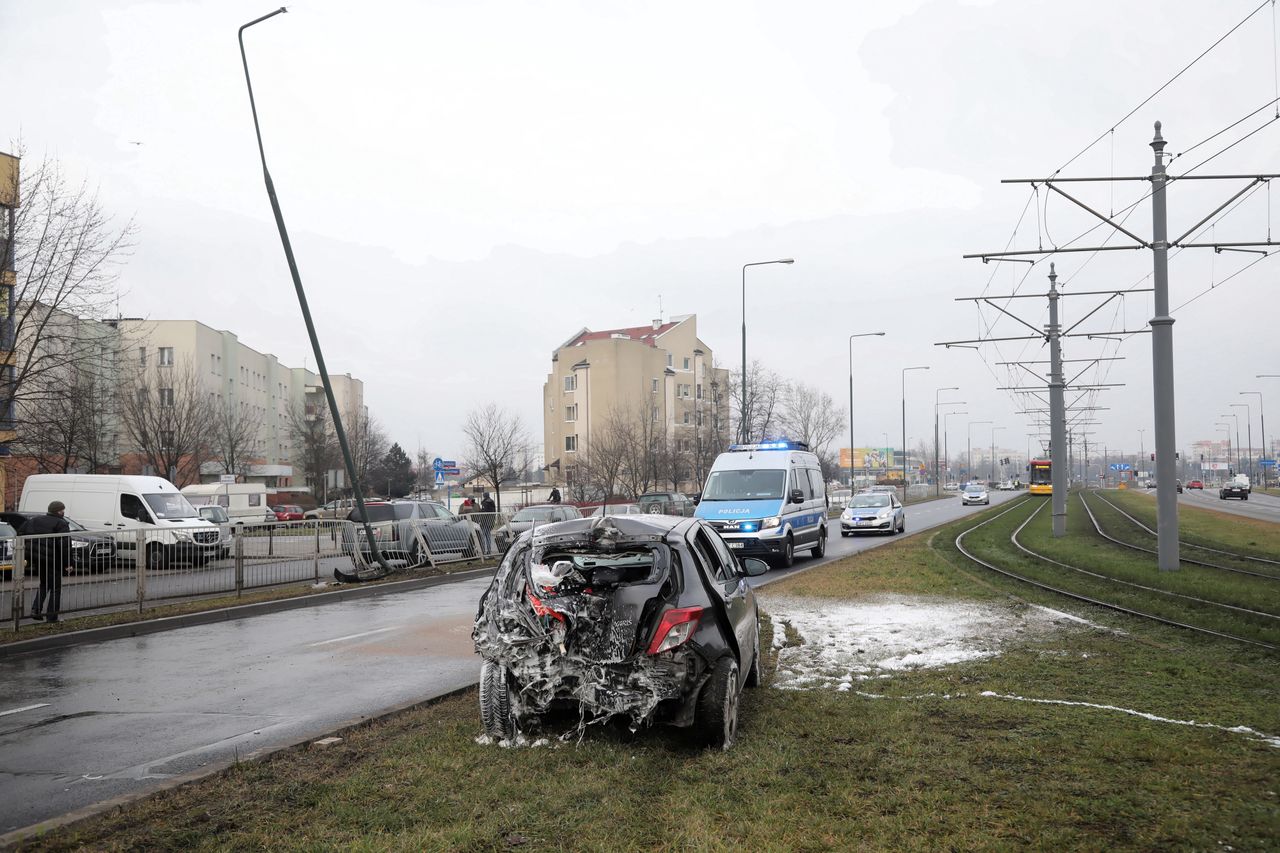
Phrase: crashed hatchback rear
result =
(643, 619)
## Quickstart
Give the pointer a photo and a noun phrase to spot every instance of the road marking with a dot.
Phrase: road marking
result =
(352, 636)
(24, 708)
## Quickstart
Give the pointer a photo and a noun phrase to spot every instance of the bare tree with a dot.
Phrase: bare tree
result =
(759, 419)
(610, 445)
(495, 438)
(233, 437)
(315, 444)
(66, 251)
(641, 435)
(166, 412)
(367, 441)
(423, 473)
(811, 416)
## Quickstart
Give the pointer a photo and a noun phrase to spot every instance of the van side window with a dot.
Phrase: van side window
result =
(131, 506)
(819, 488)
(800, 480)
(255, 500)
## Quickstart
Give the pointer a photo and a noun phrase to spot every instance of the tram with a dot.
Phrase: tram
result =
(1040, 481)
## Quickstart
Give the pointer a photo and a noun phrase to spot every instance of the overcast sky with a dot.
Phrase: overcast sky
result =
(468, 183)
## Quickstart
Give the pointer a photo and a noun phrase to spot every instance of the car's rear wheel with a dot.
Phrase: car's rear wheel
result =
(495, 701)
(716, 719)
(902, 526)
(820, 550)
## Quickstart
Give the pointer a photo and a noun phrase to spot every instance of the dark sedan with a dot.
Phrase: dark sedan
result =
(1239, 491)
(89, 551)
(643, 618)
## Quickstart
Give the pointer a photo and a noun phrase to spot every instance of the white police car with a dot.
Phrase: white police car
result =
(767, 500)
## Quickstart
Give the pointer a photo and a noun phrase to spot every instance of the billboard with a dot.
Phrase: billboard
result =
(868, 458)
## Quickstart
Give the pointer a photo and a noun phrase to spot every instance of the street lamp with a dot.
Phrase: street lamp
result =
(969, 447)
(1262, 416)
(742, 415)
(1248, 423)
(851, 337)
(1142, 447)
(904, 427)
(937, 481)
(1237, 419)
(945, 452)
(993, 451)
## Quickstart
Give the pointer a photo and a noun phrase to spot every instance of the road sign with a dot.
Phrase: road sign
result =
(227, 479)
(1268, 463)
(439, 478)
(437, 465)
(449, 463)
(1120, 466)
(452, 472)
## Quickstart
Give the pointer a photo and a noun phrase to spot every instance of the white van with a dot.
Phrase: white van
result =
(767, 500)
(175, 531)
(245, 503)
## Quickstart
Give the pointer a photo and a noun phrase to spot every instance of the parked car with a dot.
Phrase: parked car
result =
(89, 551)
(873, 512)
(1195, 484)
(951, 486)
(614, 509)
(648, 619)
(666, 503)
(288, 512)
(7, 537)
(532, 516)
(333, 509)
(215, 514)
(975, 493)
(400, 528)
(1234, 489)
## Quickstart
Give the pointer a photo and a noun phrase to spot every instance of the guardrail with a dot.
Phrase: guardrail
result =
(114, 570)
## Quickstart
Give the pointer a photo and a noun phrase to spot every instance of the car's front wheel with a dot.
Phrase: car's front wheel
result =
(717, 714)
(788, 558)
(495, 701)
(820, 550)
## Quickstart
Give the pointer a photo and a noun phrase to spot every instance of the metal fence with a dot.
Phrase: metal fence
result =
(112, 570)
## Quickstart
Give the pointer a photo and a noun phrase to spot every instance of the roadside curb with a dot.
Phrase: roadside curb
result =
(227, 614)
(10, 840)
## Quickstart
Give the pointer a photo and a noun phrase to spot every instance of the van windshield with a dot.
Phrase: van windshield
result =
(750, 485)
(170, 506)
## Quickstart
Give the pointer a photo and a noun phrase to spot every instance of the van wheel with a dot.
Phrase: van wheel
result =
(157, 559)
(716, 719)
(788, 558)
(820, 550)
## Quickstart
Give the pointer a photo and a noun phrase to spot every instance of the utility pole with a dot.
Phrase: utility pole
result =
(1162, 370)
(1057, 411)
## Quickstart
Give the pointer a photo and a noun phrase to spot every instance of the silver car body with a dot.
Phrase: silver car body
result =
(975, 493)
(873, 512)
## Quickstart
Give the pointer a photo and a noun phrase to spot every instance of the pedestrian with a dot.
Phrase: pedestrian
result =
(51, 555)
(555, 495)
(468, 507)
(488, 512)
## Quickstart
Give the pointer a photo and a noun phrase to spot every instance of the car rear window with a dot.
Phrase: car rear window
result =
(376, 513)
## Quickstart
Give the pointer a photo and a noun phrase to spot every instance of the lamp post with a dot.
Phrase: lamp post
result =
(969, 447)
(1237, 420)
(904, 427)
(851, 337)
(1142, 448)
(1248, 423)
(1262, 416)
(945, 452)
(742, 414)
(994, 429)
(937, 482)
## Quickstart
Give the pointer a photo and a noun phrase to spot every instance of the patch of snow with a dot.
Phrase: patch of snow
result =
(854, 640)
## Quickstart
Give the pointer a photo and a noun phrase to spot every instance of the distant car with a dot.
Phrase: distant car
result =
(1150, 484)
(1006, 485)
(401, 527)
(873, 512)
(951, 486)
(1234, 489)
(333, 509)
(288, 512)
(215, 514)
(89, 551)
(649, 620)
(532, 516)
(666, 503)
(615, 509)
(1196, 484)
(975, 493)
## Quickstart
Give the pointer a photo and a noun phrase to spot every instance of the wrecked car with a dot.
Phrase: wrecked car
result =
(642, 619)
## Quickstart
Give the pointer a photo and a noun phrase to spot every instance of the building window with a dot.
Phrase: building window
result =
(654, 414)
(686, 417)
(571, 412)
(571, 383)
(166, 440)
(655, 386)
(669, 359)
(686, 364)
(166, 356)
(699, 390)
(142, 396)
(142, 356)
(166, 396)
(570, 444)
(213, 363)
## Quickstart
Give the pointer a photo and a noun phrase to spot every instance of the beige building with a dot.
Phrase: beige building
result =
(239, 376)
(660, 378)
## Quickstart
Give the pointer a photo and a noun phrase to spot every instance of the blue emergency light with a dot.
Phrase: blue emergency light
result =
(781, 444)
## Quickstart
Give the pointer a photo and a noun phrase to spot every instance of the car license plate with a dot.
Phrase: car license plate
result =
(863, 523)
(735, 544)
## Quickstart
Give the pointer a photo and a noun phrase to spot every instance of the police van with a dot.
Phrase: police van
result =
(767, 500)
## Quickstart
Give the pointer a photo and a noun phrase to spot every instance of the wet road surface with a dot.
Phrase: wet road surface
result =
(84, 724)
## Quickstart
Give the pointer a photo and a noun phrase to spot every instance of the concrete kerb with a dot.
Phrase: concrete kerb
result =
(227, 614)
(11, 839)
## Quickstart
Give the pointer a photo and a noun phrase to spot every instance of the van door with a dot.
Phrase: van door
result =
(797, 514)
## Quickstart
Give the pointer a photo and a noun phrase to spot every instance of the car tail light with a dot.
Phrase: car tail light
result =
(675, 627)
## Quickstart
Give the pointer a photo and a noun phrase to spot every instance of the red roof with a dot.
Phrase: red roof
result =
(646, 334)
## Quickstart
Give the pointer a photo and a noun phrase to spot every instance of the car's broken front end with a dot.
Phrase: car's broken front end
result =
(590, 620)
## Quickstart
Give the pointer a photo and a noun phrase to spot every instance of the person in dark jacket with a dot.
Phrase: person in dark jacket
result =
(555, 496)
(488, 509)
(51, 555)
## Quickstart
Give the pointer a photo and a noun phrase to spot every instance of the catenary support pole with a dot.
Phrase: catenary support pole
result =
(1162, 370)
(1057, 413)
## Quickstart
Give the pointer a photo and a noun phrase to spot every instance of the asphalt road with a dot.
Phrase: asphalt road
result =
(84, 724)
(1259, 506)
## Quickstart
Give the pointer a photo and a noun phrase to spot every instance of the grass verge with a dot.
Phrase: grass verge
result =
(918, 761)
(1214, 529)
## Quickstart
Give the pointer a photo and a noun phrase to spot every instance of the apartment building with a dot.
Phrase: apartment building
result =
(662, 376)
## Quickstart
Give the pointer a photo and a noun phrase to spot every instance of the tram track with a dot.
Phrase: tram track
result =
(959, 544)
